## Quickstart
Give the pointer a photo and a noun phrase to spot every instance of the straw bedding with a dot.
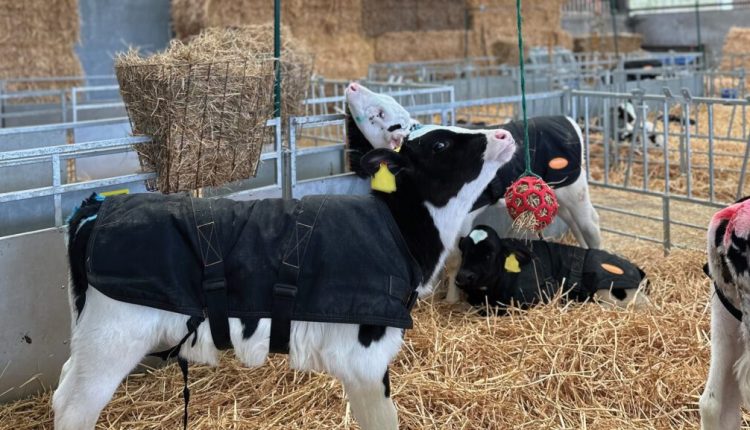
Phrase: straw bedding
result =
(578, 366)
(205, 103)
(736, 42)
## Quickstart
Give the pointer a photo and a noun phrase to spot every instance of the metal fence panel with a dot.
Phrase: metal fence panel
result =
(34, 312)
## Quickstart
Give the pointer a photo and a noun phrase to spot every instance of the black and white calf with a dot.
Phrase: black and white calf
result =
(500, 272)
(557, 150)
(628, 126)
(728, 384)
(439, 175)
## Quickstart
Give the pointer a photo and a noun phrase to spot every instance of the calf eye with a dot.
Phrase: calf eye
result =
(381, 114)
(439, 146)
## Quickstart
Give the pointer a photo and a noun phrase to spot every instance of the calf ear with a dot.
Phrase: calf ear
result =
(463, 243)
(371, 161)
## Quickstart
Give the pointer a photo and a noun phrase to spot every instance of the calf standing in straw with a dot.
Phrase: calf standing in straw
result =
(728, 384)
(205, 282)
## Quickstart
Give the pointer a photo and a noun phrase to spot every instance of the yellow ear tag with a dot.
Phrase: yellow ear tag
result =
(384, 180)
(511, 264)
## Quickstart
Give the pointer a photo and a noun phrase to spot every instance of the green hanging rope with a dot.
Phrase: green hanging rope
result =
(527, 154)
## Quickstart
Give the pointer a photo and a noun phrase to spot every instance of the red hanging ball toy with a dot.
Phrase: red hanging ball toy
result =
(531, 195)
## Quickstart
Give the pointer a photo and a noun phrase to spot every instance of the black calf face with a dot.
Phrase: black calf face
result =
(444, 161)
(480, 259)
(437, 163)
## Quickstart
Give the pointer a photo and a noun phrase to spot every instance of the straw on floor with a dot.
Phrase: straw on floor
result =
(574, 366)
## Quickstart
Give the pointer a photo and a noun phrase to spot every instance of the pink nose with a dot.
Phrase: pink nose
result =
(503, 135)
(353, 86)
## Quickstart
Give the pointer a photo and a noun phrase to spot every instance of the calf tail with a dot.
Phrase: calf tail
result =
(80, 226)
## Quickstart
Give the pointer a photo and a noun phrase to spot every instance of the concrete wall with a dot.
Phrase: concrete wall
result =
(110, 26)
(679, 29)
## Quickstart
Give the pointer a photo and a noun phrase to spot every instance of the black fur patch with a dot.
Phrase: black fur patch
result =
(720, 231)
(726, 275)
(249, 325)
(78, 239)
(387, 384)
(370, 333)
(357, 145)
(442, 171)
(737, 254)
(619, 293)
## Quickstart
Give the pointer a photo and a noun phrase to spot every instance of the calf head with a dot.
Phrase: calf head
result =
(484, 259)
(383, 122)
(482, 252)
(443, 164)
(439, 172)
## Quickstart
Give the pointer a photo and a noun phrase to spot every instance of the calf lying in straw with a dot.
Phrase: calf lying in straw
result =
(438, 175)
(728, 266)
(504, 272)
(377, 120)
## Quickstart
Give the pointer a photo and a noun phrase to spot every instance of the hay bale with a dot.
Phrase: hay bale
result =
(419, 45)
(495, 23)
(505, 49)
(342, 56)
(205, 103)
(626, 42)
(38, 22)
(327, 17)
(39, 61)
(189, 17)
(737, 42)
(37, 39)
(331, 29)
(387, 16)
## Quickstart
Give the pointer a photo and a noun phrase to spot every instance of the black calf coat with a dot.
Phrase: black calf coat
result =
(354, 266)
(544, 266)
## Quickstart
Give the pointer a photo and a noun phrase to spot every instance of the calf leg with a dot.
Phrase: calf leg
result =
(720, 402)
(572, 224)
(372, 405)
(452, 264)
(104, 349)
(575, 198)
(453, 261)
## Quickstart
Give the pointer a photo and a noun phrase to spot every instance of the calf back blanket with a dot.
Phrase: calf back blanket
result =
(550, 138)
(338, 259)
(534, 271)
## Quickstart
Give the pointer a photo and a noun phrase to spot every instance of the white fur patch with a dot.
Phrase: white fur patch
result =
(421, 131)
(478, 236)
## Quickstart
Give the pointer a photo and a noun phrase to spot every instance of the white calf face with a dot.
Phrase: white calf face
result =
(379, 117)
